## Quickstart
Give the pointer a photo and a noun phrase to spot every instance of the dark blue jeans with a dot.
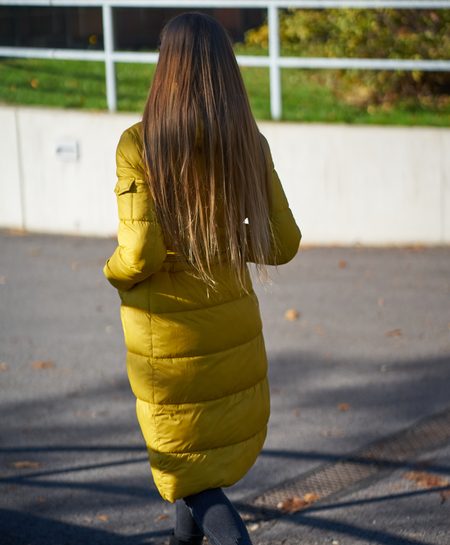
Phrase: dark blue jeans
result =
(212, 514)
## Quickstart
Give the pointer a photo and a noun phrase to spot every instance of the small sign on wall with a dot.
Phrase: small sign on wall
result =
(67, 150)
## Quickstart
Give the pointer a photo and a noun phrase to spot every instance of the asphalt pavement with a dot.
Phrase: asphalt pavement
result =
(359, 353)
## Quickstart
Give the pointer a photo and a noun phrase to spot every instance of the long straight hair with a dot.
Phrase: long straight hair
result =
(207, 169)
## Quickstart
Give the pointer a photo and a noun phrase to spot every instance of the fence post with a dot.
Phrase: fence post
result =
(108, 46)
(274, 54)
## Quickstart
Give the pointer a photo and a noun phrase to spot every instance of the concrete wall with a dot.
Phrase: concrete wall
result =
(345, 184)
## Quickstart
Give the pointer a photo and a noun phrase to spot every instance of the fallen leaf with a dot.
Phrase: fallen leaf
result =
(74, 265)
(43, 364)
(16, 232)
(2, 279)
(311, 497)
(3, 366)
(342, 264)
(86, 413)
(103, 518)
(161, 517)
(394, 333)
(319, 330)
(253, 527)
(292, 314)
(415, 248)
(292, 504)
(425, 479)
(296, 412)
(344, 406)
(35, 252)
(34, 83)
(295, 503)
(26, 464)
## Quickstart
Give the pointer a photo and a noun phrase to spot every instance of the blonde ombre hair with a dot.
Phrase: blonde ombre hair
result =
(207, 169)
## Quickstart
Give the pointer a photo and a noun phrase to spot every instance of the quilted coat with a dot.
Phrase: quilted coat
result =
(196, 359)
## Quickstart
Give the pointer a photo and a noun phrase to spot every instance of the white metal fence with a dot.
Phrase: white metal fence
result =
(273, 61)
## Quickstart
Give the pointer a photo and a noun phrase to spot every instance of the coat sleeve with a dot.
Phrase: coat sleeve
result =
(286, 233)
(141, 250)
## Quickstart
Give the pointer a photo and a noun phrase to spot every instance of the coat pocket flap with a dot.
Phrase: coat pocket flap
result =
(124, 185)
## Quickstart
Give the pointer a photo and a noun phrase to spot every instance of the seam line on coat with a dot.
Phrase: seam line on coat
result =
(186, 452)
(151, 349)
(251, 294)
(128, 265)
(169, 357)
(132, 203)
(204, 402)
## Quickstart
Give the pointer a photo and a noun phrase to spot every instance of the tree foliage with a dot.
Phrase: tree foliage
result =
(370, 33)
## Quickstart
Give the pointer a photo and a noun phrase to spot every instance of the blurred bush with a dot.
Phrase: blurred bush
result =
(369, 33)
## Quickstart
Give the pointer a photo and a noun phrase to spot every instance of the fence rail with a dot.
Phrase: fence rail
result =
(245, 4)
(274, 61)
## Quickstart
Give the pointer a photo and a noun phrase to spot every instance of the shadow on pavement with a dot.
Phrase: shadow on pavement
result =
(19, 528)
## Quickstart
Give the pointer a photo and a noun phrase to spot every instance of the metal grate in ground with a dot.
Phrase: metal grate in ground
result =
(382, 456)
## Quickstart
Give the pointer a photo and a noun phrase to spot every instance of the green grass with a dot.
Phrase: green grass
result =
(133, 85)
(66, 84)
(79, 84)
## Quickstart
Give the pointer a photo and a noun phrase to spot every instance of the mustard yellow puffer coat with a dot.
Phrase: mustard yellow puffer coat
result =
(196, 360)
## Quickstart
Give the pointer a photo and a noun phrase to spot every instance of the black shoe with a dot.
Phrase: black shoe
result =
(175, 541)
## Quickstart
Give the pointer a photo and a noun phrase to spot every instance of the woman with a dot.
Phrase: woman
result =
(198, 198)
